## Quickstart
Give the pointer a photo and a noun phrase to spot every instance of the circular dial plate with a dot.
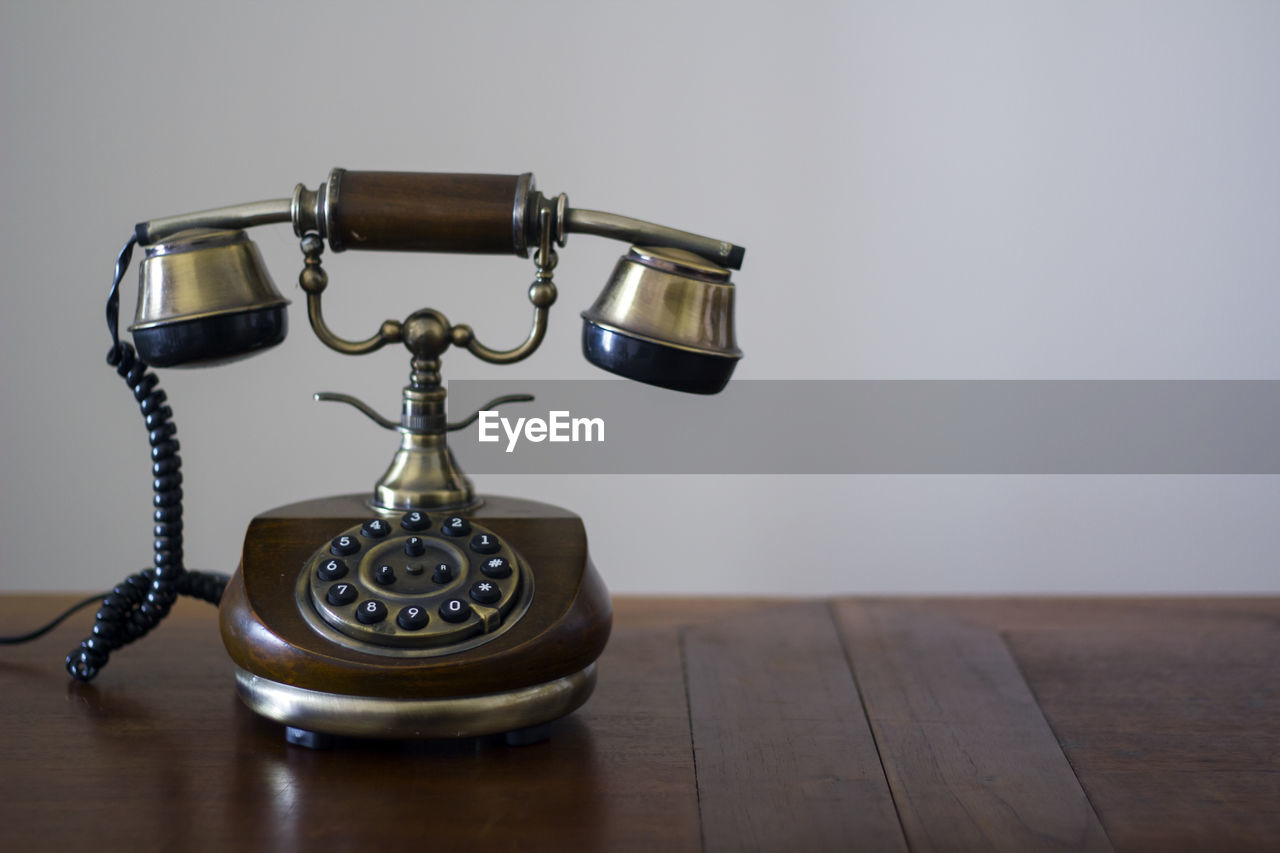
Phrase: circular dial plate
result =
(417, 581)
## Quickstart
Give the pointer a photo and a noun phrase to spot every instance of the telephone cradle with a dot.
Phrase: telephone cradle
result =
(467, 664)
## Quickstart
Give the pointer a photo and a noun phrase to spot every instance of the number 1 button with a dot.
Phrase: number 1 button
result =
(485, 543)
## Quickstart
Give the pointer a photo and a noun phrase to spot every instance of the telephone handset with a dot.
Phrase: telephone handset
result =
(422, 609)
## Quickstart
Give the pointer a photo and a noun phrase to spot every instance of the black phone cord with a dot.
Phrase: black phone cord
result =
(137, 604)
(140, 601)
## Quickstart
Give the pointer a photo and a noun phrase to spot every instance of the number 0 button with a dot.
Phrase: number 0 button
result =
(455, 610)
(412, 618)
(371, 611)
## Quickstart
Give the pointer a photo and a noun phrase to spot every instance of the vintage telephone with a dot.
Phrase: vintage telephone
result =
(421, 610)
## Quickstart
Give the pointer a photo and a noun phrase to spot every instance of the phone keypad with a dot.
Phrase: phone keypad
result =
(422, 583)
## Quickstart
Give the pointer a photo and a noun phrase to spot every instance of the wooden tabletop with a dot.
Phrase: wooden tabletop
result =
(869, 724)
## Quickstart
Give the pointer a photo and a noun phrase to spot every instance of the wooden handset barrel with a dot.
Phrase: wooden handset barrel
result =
(427, 212)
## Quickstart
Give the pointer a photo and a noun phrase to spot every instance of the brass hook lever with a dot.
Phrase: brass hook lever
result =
(387, 423)
(369, 412)
(495, 402)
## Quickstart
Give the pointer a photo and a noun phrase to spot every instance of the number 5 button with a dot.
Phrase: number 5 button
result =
(344, 546)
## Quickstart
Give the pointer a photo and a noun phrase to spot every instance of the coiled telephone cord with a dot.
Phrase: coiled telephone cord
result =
(137, 604)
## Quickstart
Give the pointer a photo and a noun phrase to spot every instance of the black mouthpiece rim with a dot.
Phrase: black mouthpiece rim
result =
(206, 341)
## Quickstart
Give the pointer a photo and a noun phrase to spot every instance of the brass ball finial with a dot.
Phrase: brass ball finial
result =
(426, 333)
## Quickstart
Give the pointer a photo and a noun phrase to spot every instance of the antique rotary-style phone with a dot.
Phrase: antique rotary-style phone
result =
(421, 610)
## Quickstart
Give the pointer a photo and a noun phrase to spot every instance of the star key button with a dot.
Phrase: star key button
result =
(485, 592)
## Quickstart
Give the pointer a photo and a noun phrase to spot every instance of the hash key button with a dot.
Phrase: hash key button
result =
(496, 567)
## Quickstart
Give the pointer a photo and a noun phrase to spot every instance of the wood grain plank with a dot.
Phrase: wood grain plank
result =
(1173, 726)
(158, 754)
(971, 761)
(785, 760)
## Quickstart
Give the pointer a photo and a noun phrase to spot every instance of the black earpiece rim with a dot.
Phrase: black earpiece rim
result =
(655, 364)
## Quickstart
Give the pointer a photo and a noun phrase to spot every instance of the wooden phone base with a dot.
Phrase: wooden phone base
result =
(536, 669)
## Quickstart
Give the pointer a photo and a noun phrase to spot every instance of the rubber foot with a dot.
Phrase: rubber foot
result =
(528, 736)
(309, 739)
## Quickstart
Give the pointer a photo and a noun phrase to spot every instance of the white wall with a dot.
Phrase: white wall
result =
(926, 190)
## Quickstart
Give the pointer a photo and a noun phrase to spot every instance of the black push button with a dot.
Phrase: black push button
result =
(443, 573)
(371, 612)
(455, 525)
(343, 546)
(375, 528)
(331, 570)
(455, 610)
(485, 543)
(485, 592)
(385, 575)
(412, 618)
(415, 521)
(414, 546)
(496, 567)
(340, 594)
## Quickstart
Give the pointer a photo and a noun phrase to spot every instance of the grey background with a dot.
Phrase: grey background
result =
(926, 191)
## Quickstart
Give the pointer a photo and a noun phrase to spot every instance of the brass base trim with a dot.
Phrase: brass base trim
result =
(380, 717)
